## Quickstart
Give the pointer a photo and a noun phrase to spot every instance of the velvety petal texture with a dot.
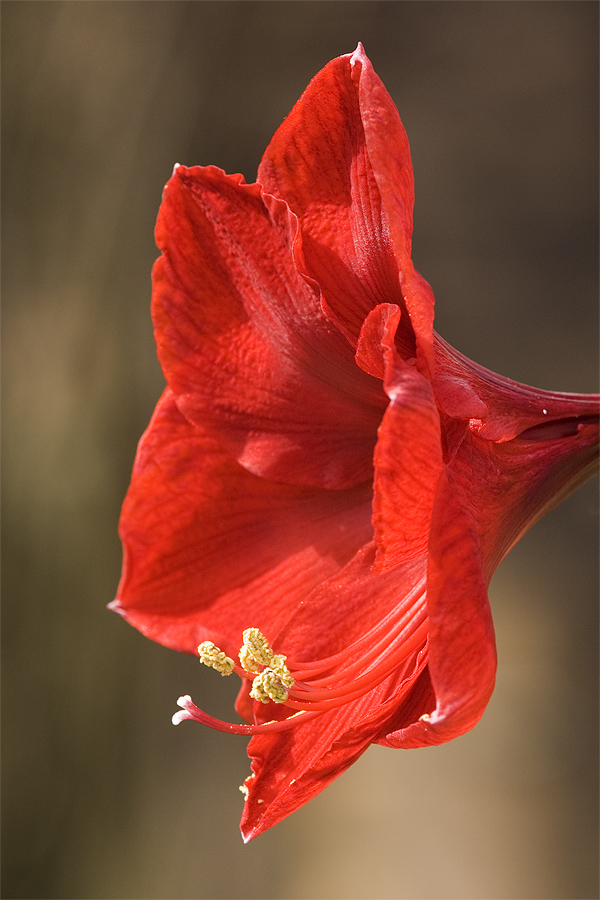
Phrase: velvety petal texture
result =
(325, 482)
(244, 343)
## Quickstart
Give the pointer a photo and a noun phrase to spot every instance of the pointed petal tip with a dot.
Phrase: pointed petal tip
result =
(256, 818)
(247, 831)
(359, 55)
(251, 832)
(115, 606)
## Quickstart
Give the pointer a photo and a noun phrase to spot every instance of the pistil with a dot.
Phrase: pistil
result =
(189, 710)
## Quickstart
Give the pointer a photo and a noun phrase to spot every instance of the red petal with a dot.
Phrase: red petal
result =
(341, 160)
(389, 155)
(462, 653)
(408, 456)
(211, 549)
(244, 343)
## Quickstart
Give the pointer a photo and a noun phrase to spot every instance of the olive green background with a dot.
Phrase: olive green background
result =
(102, 797)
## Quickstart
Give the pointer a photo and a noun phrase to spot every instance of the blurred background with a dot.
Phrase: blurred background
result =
(103, 798)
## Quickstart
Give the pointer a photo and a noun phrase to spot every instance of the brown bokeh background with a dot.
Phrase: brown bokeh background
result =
(103, 798)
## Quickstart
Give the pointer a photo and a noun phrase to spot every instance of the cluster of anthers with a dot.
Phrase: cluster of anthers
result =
(315, 687)
(268, 683)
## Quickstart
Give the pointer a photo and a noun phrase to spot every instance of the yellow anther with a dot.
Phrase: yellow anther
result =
(257, 646)
(212, 656)
(247, 661)
(268, 686)
(256, 652)
(283, 673)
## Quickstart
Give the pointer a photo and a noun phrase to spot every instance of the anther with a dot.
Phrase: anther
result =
(283, 673)
(256, 652)
(247, 661)
(257, 647)
(268, 686)
(215, 658)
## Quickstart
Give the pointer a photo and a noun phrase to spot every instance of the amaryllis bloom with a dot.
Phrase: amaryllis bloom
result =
(325, 482)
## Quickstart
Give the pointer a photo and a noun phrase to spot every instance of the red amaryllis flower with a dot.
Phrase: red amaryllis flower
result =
(325, 480)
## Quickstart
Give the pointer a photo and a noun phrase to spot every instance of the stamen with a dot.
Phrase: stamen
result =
(387, 650)
(267, 687)
(278, 664)
(215, 658)
(257, 647)
(257, 652)
(247, 661)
